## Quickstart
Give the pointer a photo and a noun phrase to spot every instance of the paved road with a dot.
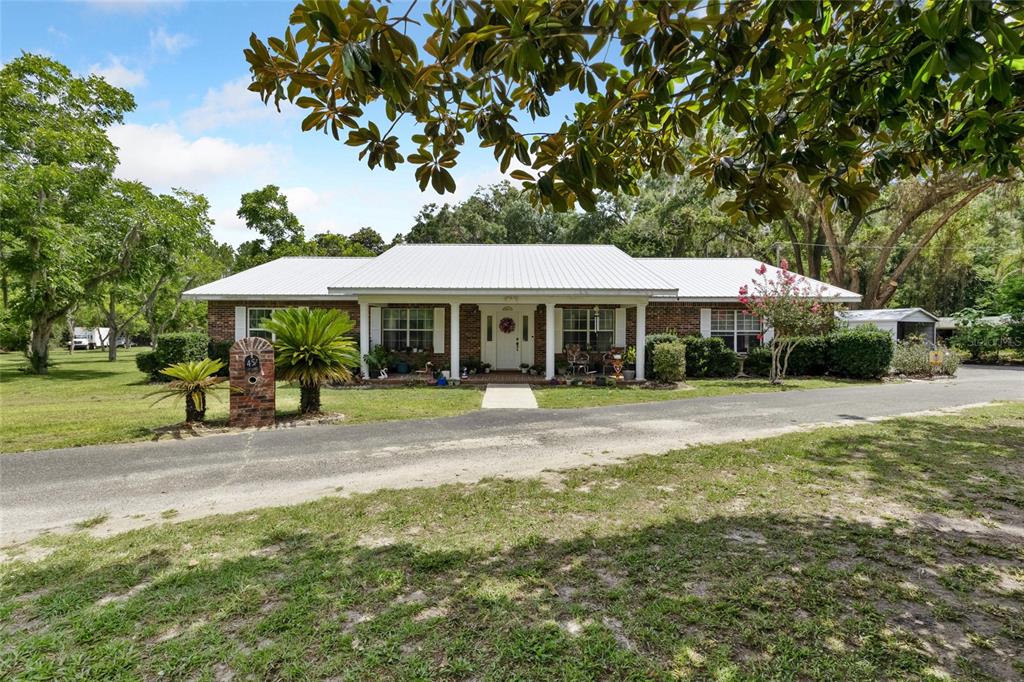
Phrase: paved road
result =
(224, 473)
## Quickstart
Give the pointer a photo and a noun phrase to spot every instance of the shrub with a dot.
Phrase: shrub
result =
(861, 353)
(177, 347)
(810, 356)
(710, 357)
(148, 363)
(220, 350)
(651, 341)
(950, 362)
(758, 362)
(173, 349)
(670, 360)
(911, 358)
(192, 381)
(979, 338)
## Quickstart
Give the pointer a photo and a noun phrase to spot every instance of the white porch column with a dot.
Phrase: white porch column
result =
(641, 339)
(364, 337)
(454, 346)
(549, 340)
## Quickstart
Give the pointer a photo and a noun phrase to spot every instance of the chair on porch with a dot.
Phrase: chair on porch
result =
(579, 361)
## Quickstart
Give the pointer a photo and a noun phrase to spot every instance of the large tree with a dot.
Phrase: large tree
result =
(54, 159)
(844, 96)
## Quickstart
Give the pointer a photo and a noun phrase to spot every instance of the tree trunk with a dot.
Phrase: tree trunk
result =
(39, 356)
(112, 324)
(309, 398)
(195, 409)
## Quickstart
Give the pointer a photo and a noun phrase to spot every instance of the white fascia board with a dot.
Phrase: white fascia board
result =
(518, 293)
(735, 299)
(267, 297)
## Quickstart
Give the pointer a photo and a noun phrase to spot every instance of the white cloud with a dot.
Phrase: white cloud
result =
(117, 73)
(160, 156)
(305, 199)
(162, 42)
(229, 105)
(57, 33)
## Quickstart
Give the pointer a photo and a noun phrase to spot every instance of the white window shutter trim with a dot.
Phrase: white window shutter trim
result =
(769, 334)
(705, 322)
(438, 330)
(558, 330)
(620, 328)
(241, 322)
(374, 326)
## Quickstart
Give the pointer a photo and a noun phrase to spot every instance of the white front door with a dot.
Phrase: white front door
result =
(507, 335)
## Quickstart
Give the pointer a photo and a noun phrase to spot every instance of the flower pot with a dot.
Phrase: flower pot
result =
(402, 367)
(629, 374)
(601, 381)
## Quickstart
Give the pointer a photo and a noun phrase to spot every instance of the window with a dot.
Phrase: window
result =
(257, 316)
(738, 328)
(407, 328)
(490, 328)
(588, 328)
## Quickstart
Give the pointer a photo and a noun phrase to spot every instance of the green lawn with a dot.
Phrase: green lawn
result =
(881, 551)
(574, 396)
(87, 400)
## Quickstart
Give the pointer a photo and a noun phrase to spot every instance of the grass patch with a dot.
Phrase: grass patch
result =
(86, 400)
(575, 396)
(881, 551)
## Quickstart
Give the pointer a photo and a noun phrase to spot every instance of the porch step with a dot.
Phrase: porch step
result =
(505, 396)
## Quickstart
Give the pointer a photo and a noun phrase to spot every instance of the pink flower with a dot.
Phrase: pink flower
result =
(815, 308)
(743, 290)
(784, 264)
(744, 299)
(761, 270)
(760, 337)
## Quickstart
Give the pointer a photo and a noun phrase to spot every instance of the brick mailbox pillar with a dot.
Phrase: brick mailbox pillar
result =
(251, 372)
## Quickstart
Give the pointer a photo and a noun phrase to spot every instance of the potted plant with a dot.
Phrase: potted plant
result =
(486, 367)
(561, 367)
(525, 367)
(378, 359)
(629, 359)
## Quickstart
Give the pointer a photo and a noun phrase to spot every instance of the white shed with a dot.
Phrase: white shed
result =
(900, 322)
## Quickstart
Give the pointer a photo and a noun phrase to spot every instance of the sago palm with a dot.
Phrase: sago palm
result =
(192, 381)
(312, 348)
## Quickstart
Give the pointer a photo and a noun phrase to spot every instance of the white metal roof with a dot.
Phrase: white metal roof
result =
(424, 268)
(885, 314)
(283, 278)
(704, 279)
(950, 322)
(583, 269)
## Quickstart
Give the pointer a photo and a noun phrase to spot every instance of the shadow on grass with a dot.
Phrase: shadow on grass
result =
(748, 597)
(932, 465)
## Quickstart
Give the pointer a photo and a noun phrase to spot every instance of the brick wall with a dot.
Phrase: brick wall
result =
(220, 315)
(675, 317)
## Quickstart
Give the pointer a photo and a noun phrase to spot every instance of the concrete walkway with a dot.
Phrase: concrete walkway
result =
(133, 483)
(509, 396)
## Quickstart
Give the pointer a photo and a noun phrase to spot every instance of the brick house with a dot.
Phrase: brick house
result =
(505, 305)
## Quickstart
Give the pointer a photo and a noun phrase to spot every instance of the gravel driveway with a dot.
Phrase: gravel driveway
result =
(134, 483)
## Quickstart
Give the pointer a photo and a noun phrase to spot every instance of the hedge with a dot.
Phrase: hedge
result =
(172, 348)
(670, 360)
(709, 357)
(651, 341)
(861, 352)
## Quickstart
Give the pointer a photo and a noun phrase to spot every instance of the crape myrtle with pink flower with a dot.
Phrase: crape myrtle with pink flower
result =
(791, 307)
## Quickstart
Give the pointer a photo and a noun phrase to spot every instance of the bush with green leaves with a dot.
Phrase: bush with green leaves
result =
(710, 357)
(14, 332)
(172, 348)
(911, 358)
(191, 381)
(861, 353)
(651, 341)
(810, 356)
(670, 361)
(758, 362)
(220, 350)
(313, 347)
(980, 339)
(950, 362)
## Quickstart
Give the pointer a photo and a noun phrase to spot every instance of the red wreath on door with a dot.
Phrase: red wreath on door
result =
(507, 325)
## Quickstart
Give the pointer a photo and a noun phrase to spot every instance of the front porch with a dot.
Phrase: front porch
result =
(504, 334)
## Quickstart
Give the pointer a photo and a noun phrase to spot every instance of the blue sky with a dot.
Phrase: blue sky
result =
(196, 126)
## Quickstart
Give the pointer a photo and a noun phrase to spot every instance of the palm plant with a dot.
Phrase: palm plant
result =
(192, 381)
(313, 347)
